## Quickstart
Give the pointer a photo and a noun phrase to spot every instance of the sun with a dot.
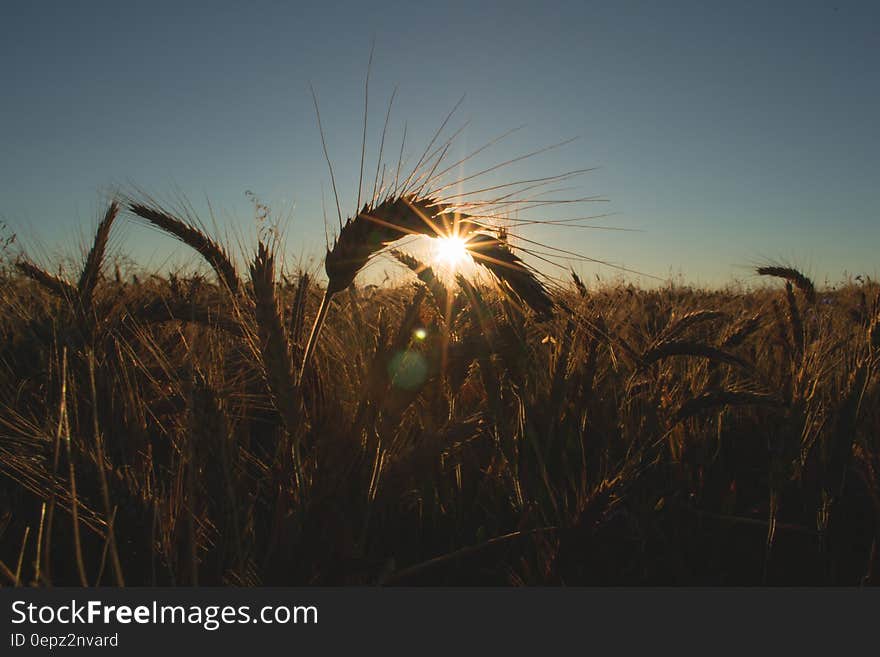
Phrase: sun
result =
(450, 252)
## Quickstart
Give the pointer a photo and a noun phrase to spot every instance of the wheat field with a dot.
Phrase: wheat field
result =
(253, 425)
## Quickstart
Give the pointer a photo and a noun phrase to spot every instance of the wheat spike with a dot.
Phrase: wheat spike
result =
(58, 286)
(92, 269)
(738, 333)
(669, 348)
(723, 397)
(375, 228)
(580, 285)
(193, 237)
(273, 345)
(792, 275)
(514, 275)
(426, 274)
(678, 326)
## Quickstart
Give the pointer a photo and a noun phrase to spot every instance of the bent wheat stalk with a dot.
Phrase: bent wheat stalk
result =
(55, 284)
(374, 228)
(723, 397)
(671, 348)
(193, 236)
(793, 276)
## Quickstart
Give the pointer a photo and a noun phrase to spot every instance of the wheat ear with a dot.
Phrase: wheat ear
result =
(56, 285)
(194, 237)
(374, 228)
(793, 276)
(92, 269)
(274, 348)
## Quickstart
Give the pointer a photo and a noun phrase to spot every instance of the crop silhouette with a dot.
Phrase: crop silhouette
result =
(158, 431)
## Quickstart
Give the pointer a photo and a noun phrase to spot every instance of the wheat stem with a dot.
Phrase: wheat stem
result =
(316, 331)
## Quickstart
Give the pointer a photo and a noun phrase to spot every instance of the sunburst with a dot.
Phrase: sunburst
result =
(450, 253)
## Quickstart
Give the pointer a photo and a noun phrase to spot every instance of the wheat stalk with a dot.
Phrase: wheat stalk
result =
(426, 274)
(794, 318)
(670, 348)
(274, 347)
(723, 397)
(512, 273)
(375, 228)
(793, 278)
(689, 320)
(89, 277)
(579, 285)
(298, 310)
(55, 284)
(194, 237)
(738, 333)
(792, 275)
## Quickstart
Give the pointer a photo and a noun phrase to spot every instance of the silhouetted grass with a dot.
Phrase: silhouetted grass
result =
(157, 431)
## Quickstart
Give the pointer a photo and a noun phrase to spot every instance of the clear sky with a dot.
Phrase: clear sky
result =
(730, 132)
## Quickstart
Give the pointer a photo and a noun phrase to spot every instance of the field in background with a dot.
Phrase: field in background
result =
(154, 431)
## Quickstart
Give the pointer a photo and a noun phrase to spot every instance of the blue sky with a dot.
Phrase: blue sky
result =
(729, 132)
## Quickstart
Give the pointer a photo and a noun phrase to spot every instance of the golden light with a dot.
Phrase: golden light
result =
(450, 252)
